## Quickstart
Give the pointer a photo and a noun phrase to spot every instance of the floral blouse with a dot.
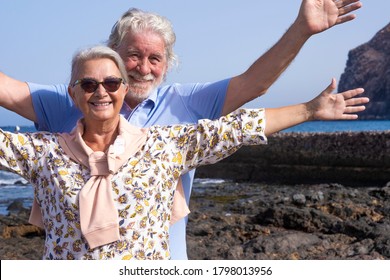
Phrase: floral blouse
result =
(142, 189)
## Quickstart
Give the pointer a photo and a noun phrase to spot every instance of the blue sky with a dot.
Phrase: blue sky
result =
(215, 40)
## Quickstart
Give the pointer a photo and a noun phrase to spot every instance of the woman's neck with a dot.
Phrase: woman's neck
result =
(99, 136)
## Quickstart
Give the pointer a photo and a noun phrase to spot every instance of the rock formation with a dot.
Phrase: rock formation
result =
(350, 158)
(368, 66)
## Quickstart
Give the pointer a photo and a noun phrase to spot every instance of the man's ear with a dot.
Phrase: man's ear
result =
(165, 73)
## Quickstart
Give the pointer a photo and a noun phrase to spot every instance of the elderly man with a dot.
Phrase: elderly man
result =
(145, 42)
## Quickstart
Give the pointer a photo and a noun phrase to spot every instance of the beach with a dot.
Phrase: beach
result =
(324, 197)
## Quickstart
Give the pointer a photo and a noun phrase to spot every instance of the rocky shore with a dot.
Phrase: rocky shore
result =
(259, 221)
(300, 197)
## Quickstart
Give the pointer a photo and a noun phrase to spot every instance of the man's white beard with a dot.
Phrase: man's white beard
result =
(137, 93)
(140, 96)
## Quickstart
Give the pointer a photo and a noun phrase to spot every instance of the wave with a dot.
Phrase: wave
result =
(208, 181)
(8, 178)
(23, 128)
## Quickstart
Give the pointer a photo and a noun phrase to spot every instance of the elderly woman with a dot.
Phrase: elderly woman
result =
(106, 190)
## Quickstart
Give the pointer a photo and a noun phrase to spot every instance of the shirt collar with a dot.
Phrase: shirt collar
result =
(152, 100)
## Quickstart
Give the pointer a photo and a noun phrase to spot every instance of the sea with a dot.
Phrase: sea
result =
(15, 188)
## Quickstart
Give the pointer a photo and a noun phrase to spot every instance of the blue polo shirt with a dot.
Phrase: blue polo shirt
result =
(171, 104)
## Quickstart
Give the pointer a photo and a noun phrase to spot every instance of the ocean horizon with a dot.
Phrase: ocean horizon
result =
(339, 126)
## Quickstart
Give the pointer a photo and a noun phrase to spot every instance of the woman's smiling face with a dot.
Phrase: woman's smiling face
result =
(102, 104)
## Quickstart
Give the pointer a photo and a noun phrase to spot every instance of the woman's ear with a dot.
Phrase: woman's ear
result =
(71, 94)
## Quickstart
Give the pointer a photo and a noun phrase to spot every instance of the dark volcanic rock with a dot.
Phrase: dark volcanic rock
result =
(259, 221)
(348, 158)
(303, 196)
(368, 66)
(20, 240)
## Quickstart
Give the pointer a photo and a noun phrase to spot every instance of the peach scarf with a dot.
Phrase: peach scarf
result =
(98, 215)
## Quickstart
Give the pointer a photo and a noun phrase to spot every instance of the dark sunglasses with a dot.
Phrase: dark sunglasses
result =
(90, 85)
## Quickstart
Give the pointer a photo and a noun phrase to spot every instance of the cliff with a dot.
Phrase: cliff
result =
(368, 66)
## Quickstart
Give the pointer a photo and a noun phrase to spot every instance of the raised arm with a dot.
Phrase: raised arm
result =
(326, 106)
(15, 96)
(314, 16)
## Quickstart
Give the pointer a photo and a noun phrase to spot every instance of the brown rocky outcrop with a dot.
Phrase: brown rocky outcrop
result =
(368, 66)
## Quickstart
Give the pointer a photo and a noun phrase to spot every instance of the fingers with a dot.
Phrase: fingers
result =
(331, 87)
(345, 8)
(354, 109)
(352, 93)
(353, 104)
(349, 117)
(350, 112)
(357, 101)
(344, 19)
